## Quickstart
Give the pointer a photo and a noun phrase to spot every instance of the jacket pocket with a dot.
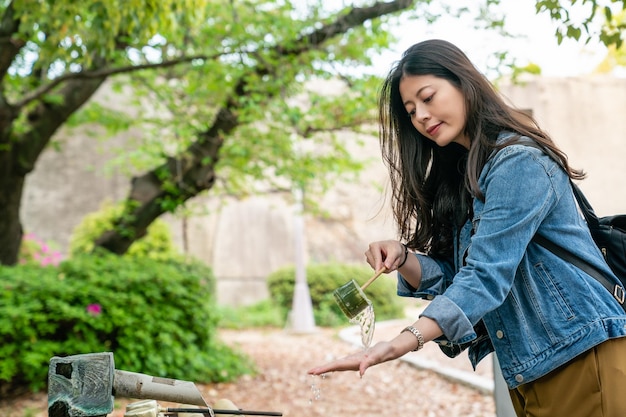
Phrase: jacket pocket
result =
(554, 308)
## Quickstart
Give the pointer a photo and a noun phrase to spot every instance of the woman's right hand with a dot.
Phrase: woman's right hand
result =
(387, 253)
(393, 256)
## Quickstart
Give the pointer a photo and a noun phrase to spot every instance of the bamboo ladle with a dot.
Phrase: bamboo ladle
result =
(351, 298)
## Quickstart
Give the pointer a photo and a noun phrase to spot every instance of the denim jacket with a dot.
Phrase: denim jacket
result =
(539, 311)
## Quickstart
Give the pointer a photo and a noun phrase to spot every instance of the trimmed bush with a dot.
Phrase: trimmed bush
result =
(323, 279)
(157, 317)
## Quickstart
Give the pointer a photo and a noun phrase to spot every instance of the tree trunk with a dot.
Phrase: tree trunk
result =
(18, 155)
(10, 226)
(192, 175)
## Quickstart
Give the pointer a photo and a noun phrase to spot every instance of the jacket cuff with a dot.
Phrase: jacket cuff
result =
(451, 319)
(433, 280)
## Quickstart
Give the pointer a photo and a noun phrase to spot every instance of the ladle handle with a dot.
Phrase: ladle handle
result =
(376, 275)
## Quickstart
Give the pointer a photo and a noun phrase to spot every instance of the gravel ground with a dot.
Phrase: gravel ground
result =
(394, 388)
(282, 385)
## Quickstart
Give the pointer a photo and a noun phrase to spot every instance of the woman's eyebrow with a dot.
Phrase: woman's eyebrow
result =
(417, 93)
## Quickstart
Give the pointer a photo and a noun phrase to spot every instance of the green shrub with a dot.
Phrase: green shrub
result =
(323, 279)
(157, 317)
(157, 244)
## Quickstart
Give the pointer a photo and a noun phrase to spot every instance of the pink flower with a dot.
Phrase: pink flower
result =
(36, 250)
(94, 309)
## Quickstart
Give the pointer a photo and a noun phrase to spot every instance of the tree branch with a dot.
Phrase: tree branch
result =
(355, 17)
(104, 73)
(195, 169)
(46, 118)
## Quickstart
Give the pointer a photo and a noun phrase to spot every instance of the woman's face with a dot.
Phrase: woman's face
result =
(436, 108)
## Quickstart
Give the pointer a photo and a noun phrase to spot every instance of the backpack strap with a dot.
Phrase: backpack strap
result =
(585, 207)
(615, 289)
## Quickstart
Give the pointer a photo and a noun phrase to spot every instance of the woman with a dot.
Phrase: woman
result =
(469, 194)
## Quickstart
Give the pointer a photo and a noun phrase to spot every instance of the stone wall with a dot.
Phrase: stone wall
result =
(246, 240)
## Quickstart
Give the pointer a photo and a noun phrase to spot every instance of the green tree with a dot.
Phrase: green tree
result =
(578, 21)
(223, 75)
(616, 56)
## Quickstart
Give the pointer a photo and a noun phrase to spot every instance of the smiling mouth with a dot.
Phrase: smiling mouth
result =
(431, 129)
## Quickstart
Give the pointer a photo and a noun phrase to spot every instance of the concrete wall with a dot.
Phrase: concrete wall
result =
(585, 117)
(246, 240)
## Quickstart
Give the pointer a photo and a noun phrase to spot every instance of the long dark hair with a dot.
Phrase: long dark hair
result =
(432, 187)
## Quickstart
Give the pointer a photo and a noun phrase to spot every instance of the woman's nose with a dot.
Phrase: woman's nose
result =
(421, 114)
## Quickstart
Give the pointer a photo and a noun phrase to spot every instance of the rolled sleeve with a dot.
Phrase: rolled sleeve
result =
(436, 277)
(451, 319)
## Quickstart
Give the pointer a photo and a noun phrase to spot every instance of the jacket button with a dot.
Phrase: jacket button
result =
(519, 378)
(499, 334)
(430, 297)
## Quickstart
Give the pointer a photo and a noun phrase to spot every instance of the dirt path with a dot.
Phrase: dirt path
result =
(391, 389)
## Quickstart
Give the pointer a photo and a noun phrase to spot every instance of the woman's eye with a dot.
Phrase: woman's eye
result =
(429, 98)
(412, 113)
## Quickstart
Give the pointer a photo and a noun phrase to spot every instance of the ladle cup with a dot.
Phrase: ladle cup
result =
(351, 298)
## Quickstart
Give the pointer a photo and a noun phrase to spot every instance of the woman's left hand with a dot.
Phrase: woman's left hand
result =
(358, 361)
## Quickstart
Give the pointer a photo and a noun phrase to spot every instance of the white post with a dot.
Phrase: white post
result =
(301, 317)
(504, 407)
